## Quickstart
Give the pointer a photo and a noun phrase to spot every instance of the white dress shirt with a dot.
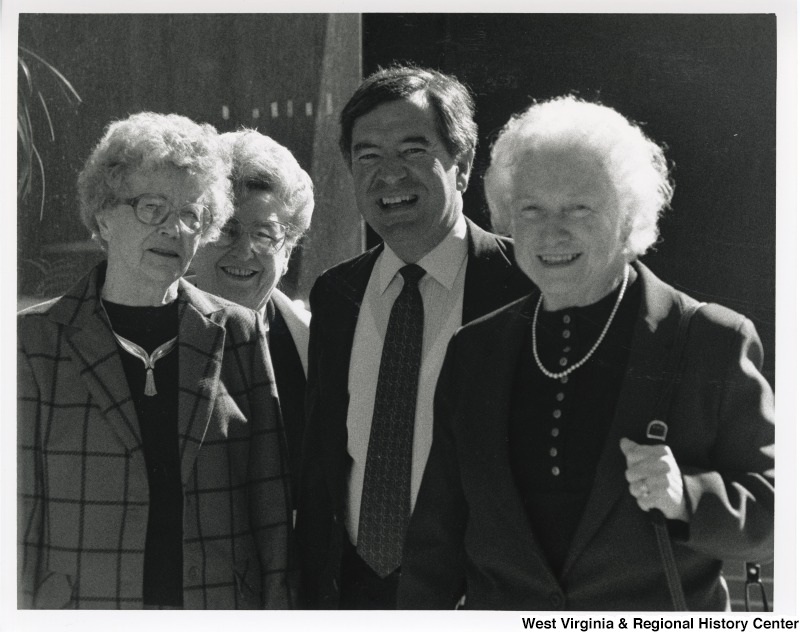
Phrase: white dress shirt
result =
(442, 290)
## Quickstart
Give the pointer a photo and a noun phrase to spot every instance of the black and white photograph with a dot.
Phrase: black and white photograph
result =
(334, 311)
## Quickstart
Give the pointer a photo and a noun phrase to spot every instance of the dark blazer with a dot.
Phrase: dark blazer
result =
(291, 382)
(469, 533)
(492, 280)
(82, 481)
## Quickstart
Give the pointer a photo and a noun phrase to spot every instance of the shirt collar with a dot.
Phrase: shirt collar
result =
(442, 263)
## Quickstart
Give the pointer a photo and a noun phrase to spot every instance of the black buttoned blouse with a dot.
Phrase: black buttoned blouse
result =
(558, 427)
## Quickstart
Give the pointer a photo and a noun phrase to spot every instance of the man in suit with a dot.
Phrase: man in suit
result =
(380, 328)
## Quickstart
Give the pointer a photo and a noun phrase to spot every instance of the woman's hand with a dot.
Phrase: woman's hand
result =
(654, 479)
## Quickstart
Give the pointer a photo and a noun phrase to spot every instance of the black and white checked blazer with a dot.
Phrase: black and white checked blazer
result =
(82, 482)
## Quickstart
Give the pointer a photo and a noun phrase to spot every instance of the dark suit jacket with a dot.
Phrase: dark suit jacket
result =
(469, 532)
(82, 481)
(291, 383)
(492, 280)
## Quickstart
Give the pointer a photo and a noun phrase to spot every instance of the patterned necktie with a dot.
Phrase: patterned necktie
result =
(386, 495)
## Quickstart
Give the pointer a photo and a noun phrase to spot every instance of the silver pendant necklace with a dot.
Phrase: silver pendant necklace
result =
(583, 360)
(138, 352)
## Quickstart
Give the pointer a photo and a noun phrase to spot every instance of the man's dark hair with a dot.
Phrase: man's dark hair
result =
(451, 101)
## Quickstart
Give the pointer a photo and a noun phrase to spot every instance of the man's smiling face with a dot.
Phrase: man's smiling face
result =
(408, 187)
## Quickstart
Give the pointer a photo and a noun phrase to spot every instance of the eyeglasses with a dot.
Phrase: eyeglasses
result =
(266, 238)
(153, 209)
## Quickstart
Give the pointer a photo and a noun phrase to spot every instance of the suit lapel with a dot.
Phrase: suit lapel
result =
(342, 305)
(91, 342)
(201, 344)
(653, 336)
(338, 309)
(487, 279)
(491, 440)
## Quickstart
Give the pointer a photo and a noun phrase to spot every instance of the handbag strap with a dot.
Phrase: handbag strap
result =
(672, 372)
(753, 579)
(668, 561)
(657, 432)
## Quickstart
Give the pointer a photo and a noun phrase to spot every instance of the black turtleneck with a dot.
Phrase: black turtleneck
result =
(149, 327)
(558, 427)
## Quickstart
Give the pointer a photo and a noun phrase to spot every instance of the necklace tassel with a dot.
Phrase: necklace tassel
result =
(150, 384)
(148, 360)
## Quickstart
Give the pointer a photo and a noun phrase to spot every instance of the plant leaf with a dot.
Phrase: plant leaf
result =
(47, 114)
(25, 134)
(64, 81)
(26, 72)
(41, 170)
(25, 129)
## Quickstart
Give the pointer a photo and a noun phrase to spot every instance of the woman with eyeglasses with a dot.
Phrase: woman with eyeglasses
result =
(273, 202)
(151, 468)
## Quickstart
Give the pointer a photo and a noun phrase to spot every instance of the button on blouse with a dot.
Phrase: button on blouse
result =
(558, 426)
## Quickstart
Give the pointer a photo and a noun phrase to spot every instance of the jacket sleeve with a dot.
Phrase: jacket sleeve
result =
(270, 507)
(732, 502)
(433, 557)
(30, 513)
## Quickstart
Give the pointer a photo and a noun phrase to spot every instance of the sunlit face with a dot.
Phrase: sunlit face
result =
(567, 226)
(237, 272)
(144, 261)
(407, 186)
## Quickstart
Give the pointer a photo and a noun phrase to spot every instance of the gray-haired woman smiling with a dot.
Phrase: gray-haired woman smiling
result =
(273, 203)
(151, 465)
(540, 481)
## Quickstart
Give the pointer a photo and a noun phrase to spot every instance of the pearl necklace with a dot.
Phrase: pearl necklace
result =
(583, 360)
(138, 352)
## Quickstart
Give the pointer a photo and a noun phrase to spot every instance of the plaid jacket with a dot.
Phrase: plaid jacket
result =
(82, 483)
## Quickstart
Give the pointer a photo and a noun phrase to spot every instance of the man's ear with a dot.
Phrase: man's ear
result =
(464, 166)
